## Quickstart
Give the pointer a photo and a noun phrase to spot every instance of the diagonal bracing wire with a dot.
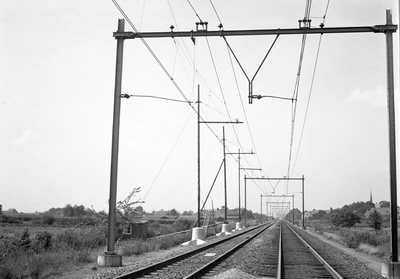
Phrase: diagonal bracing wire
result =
(150, 50)
(161, 65)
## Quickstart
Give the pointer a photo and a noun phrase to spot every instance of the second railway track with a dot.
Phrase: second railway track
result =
(189, 265)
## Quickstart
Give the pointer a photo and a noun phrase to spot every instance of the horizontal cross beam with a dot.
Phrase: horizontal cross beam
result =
(257, 32)
(275, 178)
(275, 202)
(277, 195)
(221, 122)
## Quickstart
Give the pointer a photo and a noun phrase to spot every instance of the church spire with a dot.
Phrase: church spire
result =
(370, 195)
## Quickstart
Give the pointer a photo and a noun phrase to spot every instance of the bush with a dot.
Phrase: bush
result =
(24, 241)
(135, 247)
(380, 251)
(43, 254)
(82, 238)
(158, 229)
(354, 238)
(31, 265)
(345, 218)
(375, 220)
(182, 225)
(48, 219)
(43, 240)
(63, 222)
(9, 219)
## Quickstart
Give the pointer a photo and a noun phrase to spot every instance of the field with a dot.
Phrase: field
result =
(36, 250)
(32, 250)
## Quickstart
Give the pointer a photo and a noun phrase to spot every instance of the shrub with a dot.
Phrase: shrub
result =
(63, 222)
(27, 264)
(333, 236)
(9, 219)
(182, 225)
(84, 256)
(354, 238)
(372, 250)
(375, 220)
(48, 219)
(43, 240)
(345, 218)
(82, 238)
(24, 241)
(138, 246)
(135, 247)
(164, 243)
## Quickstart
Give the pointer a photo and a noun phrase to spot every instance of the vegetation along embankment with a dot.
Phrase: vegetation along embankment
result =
(363, 226)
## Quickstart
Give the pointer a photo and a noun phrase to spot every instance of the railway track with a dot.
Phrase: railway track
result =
(197, 262)
(287, 256)
(299, 260)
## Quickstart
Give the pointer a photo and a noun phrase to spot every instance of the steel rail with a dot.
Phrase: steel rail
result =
(151, 268)
(330, 269)
(204, 269)
(280, 257)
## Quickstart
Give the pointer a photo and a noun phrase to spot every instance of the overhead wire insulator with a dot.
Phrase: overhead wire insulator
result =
(304, 23)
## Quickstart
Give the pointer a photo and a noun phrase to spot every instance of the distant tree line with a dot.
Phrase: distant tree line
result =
(348, 216)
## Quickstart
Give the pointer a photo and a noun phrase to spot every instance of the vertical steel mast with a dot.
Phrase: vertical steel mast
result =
(392, 139)
(115, 140)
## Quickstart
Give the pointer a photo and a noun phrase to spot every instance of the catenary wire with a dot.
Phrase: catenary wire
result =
(177, 186)
(166, 159)
(311, 88)
(296, 90)
(194, 10)
(121, 172)
(141, 16)
(190, 59)
(215, 10)
(150, 50)
(160, 64)
(165, 71)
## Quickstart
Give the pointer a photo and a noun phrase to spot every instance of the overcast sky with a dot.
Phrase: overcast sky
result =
(56, 104)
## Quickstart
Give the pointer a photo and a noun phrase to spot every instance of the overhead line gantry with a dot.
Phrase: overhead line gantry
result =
(304, 28)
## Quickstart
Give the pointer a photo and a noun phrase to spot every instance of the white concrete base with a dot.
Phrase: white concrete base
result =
(239, 226)
(198, 237)
(193, 242)
(199, 233)
(226, 228)
(109, 260)
(222, 234)
(391, 270)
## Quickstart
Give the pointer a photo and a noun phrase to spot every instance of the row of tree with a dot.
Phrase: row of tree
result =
(347, 216)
